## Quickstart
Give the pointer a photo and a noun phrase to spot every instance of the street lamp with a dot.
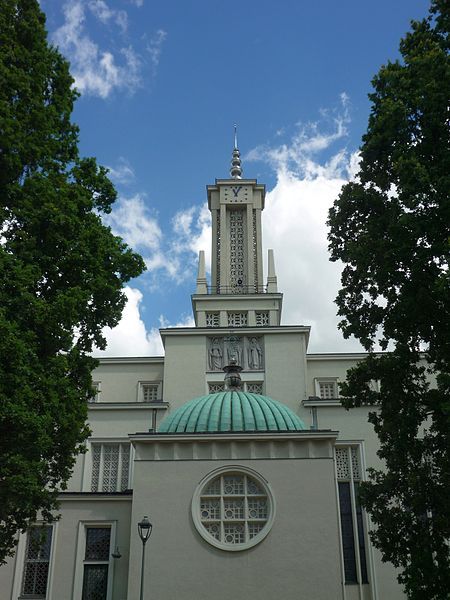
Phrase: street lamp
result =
(144, 530)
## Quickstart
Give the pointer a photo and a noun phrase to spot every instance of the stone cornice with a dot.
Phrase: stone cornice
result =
(212, 331)
(234, 446)
(128, 406)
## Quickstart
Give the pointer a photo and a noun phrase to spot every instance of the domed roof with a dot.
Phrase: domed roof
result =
(232, 410)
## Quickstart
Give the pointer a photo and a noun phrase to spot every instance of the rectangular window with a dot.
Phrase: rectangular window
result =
(326, 388)
(37, 562)
(149, 392)
(96, 563)
(110, 467)
(262, 318)
(348, 470)
(237, 319)
(212, 319)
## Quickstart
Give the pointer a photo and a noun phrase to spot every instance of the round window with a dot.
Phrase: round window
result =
(233, 509)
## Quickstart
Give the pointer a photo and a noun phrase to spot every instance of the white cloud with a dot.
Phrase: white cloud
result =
(105, 14)
(134, 222)
(193, 232)
(130, 337)
(294, 225)
(97, 72)
(137, 3)
(297, 157)
(138, 226)
(154, 48)
(122, 173)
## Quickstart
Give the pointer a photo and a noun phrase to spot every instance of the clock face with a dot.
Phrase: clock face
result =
(236, 193)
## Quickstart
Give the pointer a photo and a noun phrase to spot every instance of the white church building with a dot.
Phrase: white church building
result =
(234, 445)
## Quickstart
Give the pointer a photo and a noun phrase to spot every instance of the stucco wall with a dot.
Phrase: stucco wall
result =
(297, 559)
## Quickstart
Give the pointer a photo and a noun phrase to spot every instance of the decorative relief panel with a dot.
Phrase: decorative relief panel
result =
(237, 319)
(237, 250)
(247, 351)
(215, 354)
(262, 318)
(212, 319)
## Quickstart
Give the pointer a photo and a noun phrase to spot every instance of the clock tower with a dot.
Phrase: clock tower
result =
(237, 280)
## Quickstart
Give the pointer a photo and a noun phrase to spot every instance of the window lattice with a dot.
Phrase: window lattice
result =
(327, 389)
(96, 563)
(348, 465)
(237, 262)
(255, 252)
(237, 319)
(212, 319)
(37, 561)
(95, 582)
(216, 387)
(149, 392)
(125, 471)
(97, 543)
(262, 318)
(255, 388)
(96, 456)
(234, 508)
(110, 467)
(218, 252)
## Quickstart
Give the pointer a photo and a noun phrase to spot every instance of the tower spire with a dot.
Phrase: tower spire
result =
(236, 168)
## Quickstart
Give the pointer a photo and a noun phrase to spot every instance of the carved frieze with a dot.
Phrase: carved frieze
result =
(247, 351)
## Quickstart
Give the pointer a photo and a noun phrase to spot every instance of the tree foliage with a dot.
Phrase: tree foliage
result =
(391, 229)
(61, 272)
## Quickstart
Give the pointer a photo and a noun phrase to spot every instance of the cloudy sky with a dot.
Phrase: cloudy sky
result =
(162, 84)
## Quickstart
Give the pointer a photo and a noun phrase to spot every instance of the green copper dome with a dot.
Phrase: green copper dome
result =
(232, 410)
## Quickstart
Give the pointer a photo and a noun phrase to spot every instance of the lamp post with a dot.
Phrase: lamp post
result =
(144, 530)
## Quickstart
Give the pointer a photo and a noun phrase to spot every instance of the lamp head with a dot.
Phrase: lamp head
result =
(144, 529)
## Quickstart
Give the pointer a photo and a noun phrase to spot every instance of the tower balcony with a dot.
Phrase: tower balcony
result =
(236, 290)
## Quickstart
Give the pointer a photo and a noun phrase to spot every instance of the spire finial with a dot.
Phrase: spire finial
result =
(236, 168)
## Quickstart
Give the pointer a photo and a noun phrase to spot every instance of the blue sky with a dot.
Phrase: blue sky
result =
(162, 84)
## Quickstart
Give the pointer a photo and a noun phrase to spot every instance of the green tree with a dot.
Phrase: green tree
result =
(61, 272)
(391, 229)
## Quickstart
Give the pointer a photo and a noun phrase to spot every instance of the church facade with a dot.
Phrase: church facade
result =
(234, 445)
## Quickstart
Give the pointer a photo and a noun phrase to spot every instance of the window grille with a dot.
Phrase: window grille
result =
(96, 563)
(348, 466)
(349, 474)
(262, 318)
(234, 508)
(237, 319)
(110, 467)
(212, 319)
(237, 245)
(254, 388)
(149, 392)
(216, 387)
(328, 389)
(37, 562)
